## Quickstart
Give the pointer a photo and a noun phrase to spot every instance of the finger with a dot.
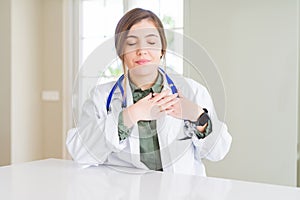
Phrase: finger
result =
(202, 128)
(148, 97)
(167, 91)
(180, 94)
(166, 99)
(169, 104)
(159, 96)
(169, 111)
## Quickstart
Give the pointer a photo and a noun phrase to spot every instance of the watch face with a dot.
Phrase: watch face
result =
(203, 119)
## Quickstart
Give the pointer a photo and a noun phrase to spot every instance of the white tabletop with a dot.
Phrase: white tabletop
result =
(63, 179)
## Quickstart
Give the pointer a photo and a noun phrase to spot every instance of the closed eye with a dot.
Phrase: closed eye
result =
(131, 44)
(131, 41)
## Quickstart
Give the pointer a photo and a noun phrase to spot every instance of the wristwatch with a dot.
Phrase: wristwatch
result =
(203, 118)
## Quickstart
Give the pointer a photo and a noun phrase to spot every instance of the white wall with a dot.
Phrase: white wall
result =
(31, 61)
(254, 44)
(26, 80)
(5, 81)
(52, 76)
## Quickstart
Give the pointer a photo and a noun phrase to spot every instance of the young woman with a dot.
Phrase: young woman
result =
(148, 119)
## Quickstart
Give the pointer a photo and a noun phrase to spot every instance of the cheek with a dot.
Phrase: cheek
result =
(128, 60)
(156, 54)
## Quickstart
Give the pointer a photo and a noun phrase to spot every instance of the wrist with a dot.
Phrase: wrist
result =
(197, 114)
(129, 117)
(132, 114)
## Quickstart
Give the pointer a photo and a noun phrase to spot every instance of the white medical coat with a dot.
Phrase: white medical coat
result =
(95, 140)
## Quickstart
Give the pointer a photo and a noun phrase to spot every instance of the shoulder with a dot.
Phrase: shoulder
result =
(101, 89)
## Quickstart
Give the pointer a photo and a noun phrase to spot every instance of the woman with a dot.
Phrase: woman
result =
(156, 122)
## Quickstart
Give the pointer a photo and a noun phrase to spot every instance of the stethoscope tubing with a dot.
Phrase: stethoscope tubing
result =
(118, 84)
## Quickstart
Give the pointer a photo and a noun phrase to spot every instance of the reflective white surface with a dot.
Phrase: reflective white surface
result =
(62, 179)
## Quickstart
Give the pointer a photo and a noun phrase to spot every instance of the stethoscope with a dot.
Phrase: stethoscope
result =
(118, 84)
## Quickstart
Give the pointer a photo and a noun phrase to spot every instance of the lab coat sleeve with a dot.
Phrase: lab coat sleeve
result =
(216, 145)
(96, 135)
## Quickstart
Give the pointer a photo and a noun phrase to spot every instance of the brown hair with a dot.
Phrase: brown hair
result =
(131, 18)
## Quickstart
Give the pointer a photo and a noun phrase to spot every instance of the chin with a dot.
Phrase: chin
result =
(144, 70)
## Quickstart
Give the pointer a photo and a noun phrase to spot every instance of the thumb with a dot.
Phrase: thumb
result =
(180, 93)
(149, 96)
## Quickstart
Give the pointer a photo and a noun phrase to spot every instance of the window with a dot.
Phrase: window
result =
(97, 20)
(100, 17)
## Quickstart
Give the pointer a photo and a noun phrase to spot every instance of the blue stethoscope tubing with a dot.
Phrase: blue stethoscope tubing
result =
(118, 84)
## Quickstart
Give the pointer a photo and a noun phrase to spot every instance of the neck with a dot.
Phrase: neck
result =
(143, 81)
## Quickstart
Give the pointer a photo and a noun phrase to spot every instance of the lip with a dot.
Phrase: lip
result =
(142, 61)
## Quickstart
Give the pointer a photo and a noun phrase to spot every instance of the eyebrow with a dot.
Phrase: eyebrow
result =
(136, 37)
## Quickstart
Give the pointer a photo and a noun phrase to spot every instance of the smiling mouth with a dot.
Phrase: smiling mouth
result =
(142, 62)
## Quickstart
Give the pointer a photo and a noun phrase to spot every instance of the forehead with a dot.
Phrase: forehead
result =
(143, 28)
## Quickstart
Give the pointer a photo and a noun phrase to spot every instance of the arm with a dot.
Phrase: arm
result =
(123, 130)
(96, 135)
(216, 145)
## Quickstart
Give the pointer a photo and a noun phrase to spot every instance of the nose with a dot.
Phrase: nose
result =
(141, 50)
